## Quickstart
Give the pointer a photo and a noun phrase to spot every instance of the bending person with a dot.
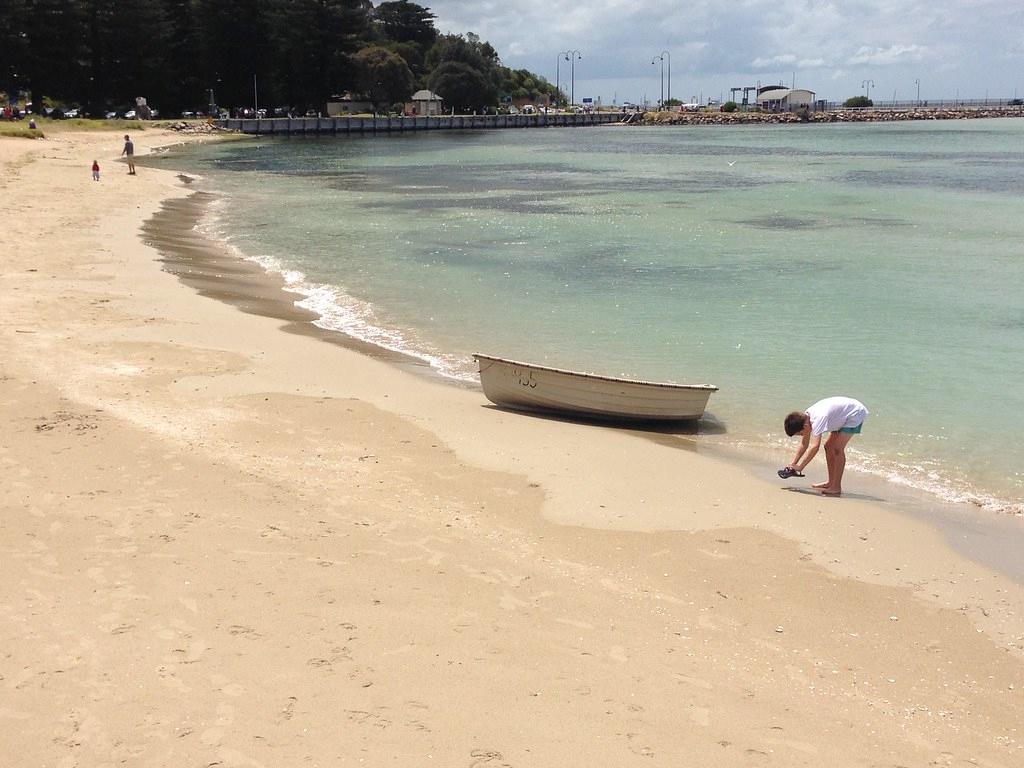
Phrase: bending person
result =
(841, 418)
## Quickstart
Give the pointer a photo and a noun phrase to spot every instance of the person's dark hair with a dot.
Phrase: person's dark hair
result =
(795, 422)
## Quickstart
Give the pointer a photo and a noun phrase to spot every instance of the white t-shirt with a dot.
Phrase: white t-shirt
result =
(834, 413)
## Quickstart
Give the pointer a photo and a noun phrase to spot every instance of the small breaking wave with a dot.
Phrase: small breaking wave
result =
(930, 480)
(336, 310)
(935, 482)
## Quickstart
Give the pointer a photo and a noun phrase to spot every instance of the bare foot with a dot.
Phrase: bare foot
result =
(831, 491)
(820, 485)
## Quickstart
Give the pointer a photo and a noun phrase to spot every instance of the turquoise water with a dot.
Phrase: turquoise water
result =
(782, 263)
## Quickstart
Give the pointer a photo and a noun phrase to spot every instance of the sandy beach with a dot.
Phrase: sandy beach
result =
(226, 542)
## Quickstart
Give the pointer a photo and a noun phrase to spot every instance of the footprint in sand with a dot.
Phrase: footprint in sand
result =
(487, 757)
(638, 749)
(189, 604)
(510, 603)
(212, 737)
(618, 653)
(240, 630)
(700, 716)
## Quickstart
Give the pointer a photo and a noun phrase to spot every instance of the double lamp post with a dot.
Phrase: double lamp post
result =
(571, 57)
(661, 57)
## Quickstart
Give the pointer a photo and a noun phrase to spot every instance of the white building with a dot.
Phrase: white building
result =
(776, 98)
(424, 103)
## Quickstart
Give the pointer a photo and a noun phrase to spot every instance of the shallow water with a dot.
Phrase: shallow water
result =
(782, 263)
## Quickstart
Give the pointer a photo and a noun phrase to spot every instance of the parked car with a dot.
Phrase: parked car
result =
(129, 115)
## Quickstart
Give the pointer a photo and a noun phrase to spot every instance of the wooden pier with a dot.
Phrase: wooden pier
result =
(298, 126)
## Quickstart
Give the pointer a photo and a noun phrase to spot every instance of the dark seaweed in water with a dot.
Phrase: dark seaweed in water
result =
(783, 222)
(1009, 179)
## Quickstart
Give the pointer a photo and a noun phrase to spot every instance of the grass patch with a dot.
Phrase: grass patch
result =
(78, 124)
(19, 130)
(45, 127)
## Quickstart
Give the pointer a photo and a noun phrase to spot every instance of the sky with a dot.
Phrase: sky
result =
(971, 49)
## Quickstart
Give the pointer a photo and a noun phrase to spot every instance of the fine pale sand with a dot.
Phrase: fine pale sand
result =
(226, 544)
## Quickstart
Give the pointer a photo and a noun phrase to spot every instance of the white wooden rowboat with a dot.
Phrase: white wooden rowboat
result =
(528, 387)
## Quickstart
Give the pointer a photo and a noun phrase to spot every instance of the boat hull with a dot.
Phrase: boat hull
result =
(528, 387)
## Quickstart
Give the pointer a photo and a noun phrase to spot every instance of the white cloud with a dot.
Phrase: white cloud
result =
(787, 60)
(892, 55)
(828, 46)
(774, 61)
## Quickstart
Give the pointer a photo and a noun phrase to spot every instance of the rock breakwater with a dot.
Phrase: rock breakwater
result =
(832, 116)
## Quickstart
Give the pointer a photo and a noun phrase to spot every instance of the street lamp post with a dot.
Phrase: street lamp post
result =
(573, 55)
(558, 61)
(867, 85)
(660, 57)
(917, 82)
(668, 93)
(661, 103)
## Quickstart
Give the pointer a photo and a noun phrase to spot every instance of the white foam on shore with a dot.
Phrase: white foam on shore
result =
(934, 482)
(917, 478)
(336, 310)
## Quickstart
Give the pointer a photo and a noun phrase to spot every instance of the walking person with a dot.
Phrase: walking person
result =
(95, 170)
(129, 152)
(841, 418)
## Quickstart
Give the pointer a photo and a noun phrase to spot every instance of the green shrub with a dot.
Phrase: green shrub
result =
(859, 101)
(730, 106)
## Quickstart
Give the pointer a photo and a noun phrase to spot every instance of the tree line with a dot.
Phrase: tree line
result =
(184, 54)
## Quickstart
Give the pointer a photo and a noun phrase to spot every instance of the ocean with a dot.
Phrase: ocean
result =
(781, 263)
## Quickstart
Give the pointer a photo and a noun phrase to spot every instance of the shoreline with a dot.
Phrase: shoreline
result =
(214, 272)
(277, 535)
(988, 537)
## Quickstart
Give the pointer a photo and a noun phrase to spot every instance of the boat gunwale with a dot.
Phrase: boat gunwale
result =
(618, 380)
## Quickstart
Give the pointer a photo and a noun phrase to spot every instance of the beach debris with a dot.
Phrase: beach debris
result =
(183, 126)
(780, 630)
(79, 423)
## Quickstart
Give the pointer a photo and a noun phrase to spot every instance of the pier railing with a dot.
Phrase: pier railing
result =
(345, 124)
